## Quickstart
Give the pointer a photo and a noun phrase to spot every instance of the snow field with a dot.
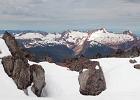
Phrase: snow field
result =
(122, 80)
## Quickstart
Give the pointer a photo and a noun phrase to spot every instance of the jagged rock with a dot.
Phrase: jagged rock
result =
(92, 81)
(76, 64)
(137, 66)
(132, 61)
(8, 64)
(16, 49)
(18, 69)
(21, 73)
(38, 77)
(47, 58)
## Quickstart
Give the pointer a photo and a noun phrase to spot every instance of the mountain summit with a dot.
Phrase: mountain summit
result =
(73, 42)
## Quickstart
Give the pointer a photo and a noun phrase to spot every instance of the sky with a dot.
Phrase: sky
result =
(61, 15)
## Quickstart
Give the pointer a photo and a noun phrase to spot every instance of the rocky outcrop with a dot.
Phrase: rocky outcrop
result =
(132, 61)
(92, 81)
(17, 67)
(8, 64)
(76, 64)
(19, 70)
(47, 58)
(137, 66)
(38, 77)
(23, 74)
(16, 49)
(0, 52)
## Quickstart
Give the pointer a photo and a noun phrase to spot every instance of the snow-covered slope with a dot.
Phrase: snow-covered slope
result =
(123, 81)
(104, 37)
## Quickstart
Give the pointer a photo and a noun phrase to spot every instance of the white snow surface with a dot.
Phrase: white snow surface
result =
(122, 80)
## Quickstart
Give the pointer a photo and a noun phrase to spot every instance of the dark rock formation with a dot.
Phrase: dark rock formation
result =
(137, 66)
(47, 58)
(8, 64)
(92, 81)
(17, 67)
(21, 73)
(38, 77)
(76, 64)
(132, 61)
(0, 52)
(19, 70)
(16, 49)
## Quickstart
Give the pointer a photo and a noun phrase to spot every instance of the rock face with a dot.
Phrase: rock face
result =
(76, 64)
(92, 81)
(8, 64)
(19, 70)
(46, 58)
(21, 73)
(38, 77)
(17, 67)
(16, 49)
(137, 66)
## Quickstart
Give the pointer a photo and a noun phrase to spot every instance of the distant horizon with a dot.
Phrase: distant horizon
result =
(136, 32)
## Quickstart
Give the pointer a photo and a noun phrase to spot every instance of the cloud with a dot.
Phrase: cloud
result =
(133, 1)
(71, 13)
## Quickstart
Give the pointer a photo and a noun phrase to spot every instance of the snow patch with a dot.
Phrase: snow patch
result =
(97, 67)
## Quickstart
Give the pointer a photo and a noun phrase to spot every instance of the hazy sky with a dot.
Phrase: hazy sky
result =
(60, 15)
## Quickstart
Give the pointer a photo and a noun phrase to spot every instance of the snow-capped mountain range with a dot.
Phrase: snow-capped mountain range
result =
(80, 42)
(71, 38)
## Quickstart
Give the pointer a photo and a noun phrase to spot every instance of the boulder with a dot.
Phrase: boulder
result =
(47, 58)
(137, 66)
(92, 81)
(38, 78)
(132, 61)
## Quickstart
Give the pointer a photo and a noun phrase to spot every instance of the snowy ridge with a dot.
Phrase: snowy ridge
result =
(70, 38)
